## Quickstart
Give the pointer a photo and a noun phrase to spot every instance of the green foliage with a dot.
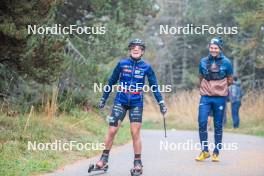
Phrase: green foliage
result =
(29, 55)
(30, 62)
(120, 19)
(27, 61)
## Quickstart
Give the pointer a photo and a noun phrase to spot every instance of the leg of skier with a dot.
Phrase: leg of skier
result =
(135, 115)
(117, 115)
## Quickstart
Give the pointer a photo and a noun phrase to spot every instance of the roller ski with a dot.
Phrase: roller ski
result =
(101, 165)
(138, 168)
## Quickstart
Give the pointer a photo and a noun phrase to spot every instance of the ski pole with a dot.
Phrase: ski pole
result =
(164, 124)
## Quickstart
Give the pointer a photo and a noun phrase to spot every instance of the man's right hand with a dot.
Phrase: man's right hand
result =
(101, 103)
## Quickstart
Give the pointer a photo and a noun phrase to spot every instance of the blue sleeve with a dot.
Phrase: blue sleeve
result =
(154, 84)
(229, 71)
(112, 80)
(200, 68)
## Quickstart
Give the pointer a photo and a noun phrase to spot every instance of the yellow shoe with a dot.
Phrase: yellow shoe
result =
(215, 157)
(203, 155)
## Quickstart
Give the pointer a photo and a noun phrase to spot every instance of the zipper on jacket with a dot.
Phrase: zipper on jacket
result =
(133, 70)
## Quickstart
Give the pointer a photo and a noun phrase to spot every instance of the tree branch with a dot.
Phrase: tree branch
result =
(3, 60)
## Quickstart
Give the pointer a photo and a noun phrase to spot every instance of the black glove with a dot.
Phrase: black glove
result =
(163, 108)
(101, 103)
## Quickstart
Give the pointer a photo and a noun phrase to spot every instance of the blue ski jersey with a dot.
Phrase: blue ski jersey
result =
(131, 76)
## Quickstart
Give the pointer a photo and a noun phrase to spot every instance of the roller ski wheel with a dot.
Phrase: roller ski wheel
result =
(138, 168)
(93, 167)
(134, 172)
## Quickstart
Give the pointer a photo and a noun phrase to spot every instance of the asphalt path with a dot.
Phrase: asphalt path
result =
(243, 155)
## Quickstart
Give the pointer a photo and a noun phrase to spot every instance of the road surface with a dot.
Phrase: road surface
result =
(174, 156)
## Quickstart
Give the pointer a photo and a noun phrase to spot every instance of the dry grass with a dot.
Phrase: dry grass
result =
(253, 107)
(51, 104)
(183, 111)
(252, 114)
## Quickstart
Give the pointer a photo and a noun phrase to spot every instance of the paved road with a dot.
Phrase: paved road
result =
(177, 160)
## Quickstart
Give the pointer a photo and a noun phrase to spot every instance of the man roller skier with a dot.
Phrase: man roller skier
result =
(130, 72)
(215, 76)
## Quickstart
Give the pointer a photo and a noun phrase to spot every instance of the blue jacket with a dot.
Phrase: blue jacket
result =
(131, 76)
(226, 68)
(235, 92)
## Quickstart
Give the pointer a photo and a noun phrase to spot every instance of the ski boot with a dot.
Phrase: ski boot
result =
(138, 168)
(95, 167)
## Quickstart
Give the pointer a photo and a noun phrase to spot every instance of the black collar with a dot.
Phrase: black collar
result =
(135, 60)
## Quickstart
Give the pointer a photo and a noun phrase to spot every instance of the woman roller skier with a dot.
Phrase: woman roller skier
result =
(130, 72)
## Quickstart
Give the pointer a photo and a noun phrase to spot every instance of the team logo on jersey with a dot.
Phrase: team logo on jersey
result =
(127, 74)
(127, 66)
(138, 76)
(127, 70)
(137, 71)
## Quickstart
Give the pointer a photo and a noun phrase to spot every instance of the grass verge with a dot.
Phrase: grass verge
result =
(16, 132)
